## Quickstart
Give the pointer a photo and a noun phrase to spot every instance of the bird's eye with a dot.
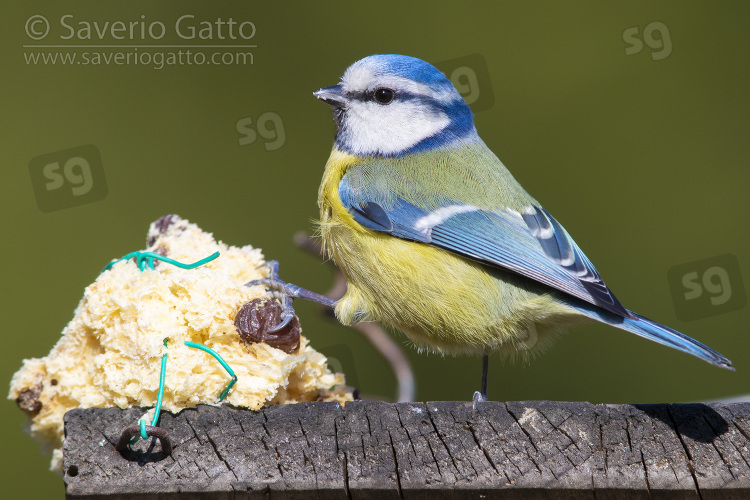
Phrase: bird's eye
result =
(384, 96)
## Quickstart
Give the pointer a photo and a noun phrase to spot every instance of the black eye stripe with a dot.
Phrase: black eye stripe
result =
(370, 95)
(401, 96)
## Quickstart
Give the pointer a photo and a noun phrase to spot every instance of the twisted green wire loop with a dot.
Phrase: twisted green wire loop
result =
(146, 260)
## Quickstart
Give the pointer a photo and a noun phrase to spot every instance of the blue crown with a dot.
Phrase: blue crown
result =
(409, 67)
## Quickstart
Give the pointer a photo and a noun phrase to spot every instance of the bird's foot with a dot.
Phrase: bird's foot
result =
(285, 293)
(479, 397)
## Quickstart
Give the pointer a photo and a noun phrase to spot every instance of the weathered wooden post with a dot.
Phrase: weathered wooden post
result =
(532, 449)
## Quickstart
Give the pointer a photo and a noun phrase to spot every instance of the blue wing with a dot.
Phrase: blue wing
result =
(532, 244)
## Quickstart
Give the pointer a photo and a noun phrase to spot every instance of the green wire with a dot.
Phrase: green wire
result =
(162, 377)
(159, 397)
(220, 360)
(146, 260)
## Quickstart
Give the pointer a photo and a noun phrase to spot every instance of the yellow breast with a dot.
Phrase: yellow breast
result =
(441, 301)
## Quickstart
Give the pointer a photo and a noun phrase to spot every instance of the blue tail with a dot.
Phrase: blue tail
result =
(644, 327)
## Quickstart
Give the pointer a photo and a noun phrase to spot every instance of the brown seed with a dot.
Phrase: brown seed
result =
(28, 401)
(160, 226)
(256, 317)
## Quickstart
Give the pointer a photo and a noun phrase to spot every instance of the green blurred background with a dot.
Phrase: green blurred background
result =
(641, 155)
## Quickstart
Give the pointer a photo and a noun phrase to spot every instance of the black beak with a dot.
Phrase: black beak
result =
(332, 95)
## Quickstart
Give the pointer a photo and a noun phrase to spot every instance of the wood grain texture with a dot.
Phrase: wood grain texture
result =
(375, 450)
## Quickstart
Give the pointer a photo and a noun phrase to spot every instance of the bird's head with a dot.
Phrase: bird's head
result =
(389, 105)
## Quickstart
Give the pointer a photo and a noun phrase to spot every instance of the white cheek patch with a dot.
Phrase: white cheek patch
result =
(441, 215)
(388, 129)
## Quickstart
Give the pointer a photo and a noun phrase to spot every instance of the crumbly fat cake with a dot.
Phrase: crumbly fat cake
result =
(110, 352)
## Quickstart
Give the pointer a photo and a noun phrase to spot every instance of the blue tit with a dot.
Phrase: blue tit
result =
(435, 236)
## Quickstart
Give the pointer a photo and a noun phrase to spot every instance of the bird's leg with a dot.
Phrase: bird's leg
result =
(481, 395)
(287, 292)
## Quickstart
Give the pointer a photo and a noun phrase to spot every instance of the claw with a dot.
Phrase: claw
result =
(287, 319)
(286, 292)
(287, 310)
(273, 268)
(274, 284)
(283, 291)
(481, 395)
(478, 398)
